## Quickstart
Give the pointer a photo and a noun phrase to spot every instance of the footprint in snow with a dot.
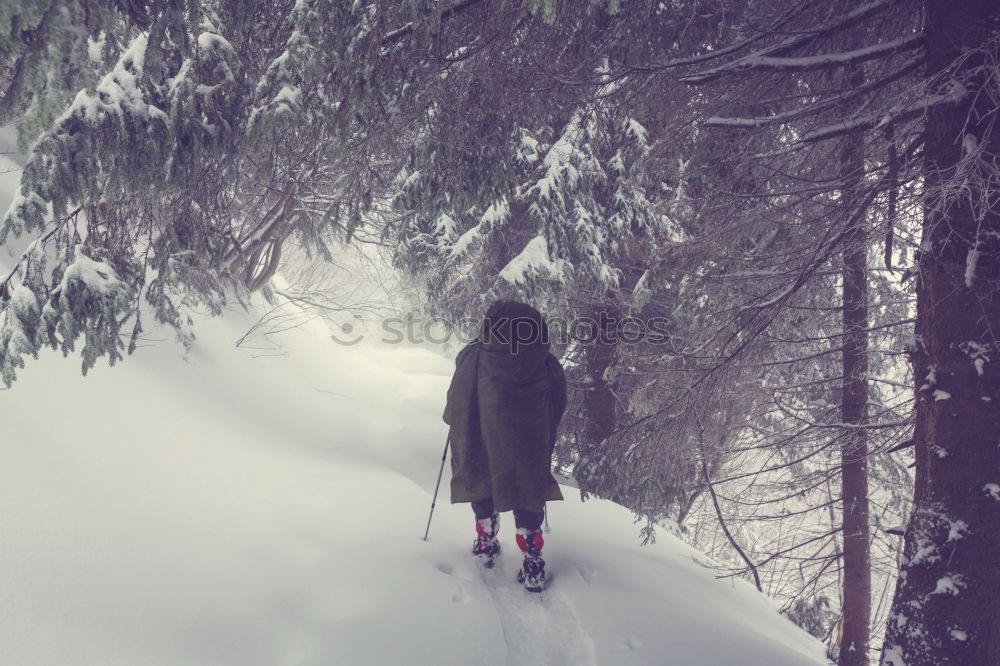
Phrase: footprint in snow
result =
(539, 629)
(459, 592)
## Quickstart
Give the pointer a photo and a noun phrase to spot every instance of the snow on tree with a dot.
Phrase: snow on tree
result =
(198, 139)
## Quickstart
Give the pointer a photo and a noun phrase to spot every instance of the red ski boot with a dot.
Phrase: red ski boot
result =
(532, 573)
(486, 547)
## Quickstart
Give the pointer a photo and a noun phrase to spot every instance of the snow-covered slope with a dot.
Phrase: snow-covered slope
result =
(256, 506)
(263, 506)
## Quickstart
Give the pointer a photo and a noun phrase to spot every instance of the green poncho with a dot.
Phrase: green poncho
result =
(504, 410)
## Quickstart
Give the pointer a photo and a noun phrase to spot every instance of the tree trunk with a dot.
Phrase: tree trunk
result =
(946, 609)
(854, 412)
(598, 401)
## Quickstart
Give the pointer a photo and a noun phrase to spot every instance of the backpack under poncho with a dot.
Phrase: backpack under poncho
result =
(504, 405)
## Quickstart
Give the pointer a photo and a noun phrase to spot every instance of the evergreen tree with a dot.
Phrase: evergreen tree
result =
(948, 595)
(206, 134)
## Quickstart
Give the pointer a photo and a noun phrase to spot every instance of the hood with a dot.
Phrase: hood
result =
(514, 328)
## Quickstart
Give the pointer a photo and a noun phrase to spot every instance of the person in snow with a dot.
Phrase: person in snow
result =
(504, 405)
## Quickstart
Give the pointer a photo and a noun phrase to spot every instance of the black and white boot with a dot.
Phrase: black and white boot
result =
(486, 547)
(532, 573)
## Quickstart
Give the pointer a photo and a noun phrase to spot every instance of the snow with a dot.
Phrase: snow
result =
(529, 148)
(21, 200)
(970, 267)
(941, 395)
(993, 490)
(446, 227)
(635, 131)
(532, 260)
(721, 121)
(970, 142)
(950, 585)
(827, 59)
(957, 529)
(98, 276)
(497, 213)
(959, 635)
(894, 656)
(210, 40)
(465, 240)
(94, 48)
(264, 506)
(288, 95)
(926, 552)
(411, 180)
(117, 92)
(881, 120)
(23, 304)
(791, 42)
(561, 169)
(976, 351)
(930, 380)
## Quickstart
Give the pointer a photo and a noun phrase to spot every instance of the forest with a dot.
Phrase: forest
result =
(801, 198)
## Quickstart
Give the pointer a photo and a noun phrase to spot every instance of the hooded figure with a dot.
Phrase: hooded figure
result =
(504, 405)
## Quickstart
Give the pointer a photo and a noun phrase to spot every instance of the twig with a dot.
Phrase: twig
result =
(722, 521)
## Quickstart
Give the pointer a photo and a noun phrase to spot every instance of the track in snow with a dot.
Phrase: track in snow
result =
(539, 628)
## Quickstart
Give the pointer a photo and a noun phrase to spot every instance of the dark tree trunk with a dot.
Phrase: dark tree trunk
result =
(598, 400)
(854, 412)
(599, 404)
(946, 610)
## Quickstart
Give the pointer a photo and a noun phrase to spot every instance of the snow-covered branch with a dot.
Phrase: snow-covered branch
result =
(828, 60)
(788, 45)
(809, 109)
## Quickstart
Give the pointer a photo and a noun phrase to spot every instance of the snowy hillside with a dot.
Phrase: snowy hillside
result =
(261, 506)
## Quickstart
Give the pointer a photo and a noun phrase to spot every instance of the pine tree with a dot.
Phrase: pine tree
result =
(201, 137)
(948, 596)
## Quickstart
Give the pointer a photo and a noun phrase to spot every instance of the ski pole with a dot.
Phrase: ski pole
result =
(436, 486)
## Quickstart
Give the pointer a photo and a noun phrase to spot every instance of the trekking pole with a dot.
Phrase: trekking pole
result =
(436, 486)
